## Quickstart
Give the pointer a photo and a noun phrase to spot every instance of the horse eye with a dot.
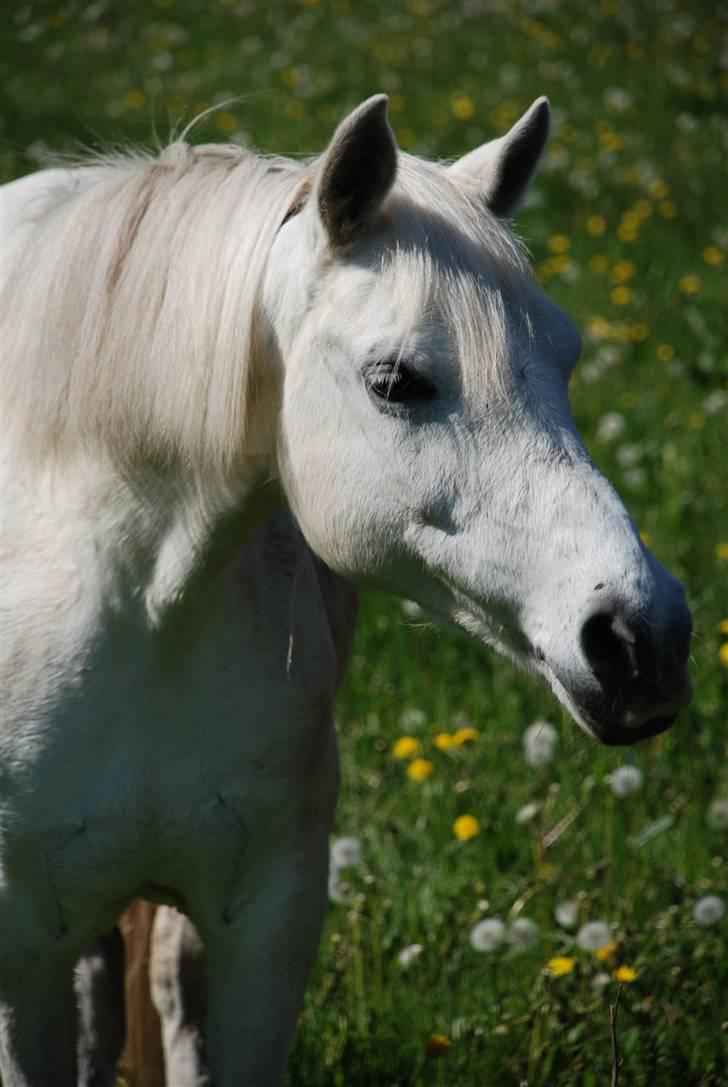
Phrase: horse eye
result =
(395, 383)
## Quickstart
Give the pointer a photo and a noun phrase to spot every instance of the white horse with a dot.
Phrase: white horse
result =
(194, 344)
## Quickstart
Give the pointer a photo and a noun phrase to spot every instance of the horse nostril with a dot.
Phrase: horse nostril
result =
(610, 648)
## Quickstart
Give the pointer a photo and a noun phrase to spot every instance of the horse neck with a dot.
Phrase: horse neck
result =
(155, 540)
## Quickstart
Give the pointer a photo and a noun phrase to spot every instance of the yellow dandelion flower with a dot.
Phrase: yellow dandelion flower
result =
(621, 296)
(559, 243)
(134, 99)
(646, 538)
(689, 284)
(667, 209)
(721, 551)
(420, 769)
(665, 352)
(624, 974)
(623, 270)
(642, 209)
(226, 122)
(712, 255)
(465, 827)
(723, 654)
(598, 263)
(443, 740)
(406, 747)
(639, 332)
(599, 328)
(658, 190)
(438, 1045)
(611, 141)
(462, 106)
(723, 626)
(559, 966)
(464, 735)
(596, 225)
(696, 420)
(626, 232)
(604, 953)
(406, 137)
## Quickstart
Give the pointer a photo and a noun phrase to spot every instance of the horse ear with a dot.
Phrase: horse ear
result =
(356, 172)
(504, 167)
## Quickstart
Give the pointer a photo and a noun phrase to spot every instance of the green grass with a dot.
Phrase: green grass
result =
(639, 139)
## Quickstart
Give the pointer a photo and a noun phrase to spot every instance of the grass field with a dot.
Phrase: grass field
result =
(628, 231)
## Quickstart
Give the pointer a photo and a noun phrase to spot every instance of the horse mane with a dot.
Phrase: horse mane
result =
(132, 322)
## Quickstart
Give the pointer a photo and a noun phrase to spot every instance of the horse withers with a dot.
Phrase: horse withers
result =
(233, 384)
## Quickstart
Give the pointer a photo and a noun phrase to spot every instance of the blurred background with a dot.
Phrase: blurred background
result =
(455, 817)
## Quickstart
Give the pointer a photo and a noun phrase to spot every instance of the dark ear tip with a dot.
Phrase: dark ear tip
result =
(539, 113)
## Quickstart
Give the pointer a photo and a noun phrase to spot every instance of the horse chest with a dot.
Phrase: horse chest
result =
(182, 766)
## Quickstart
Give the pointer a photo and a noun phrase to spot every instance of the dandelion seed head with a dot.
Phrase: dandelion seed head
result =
(488, 934)
(625, 781)
(539, 743)
(594, 935)
(600, 981)
(567, 913)
(341, 893)
(527, 813)
(522, 933)
(717, 815)
(409, 954)
(708, 910)
(346, 853)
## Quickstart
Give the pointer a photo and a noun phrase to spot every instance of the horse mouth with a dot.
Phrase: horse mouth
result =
(621, 736)
(607, 723)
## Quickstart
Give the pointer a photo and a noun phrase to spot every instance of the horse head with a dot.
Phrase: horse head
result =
(426, 442)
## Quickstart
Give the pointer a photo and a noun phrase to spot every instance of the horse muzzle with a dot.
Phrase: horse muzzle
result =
(633, 680)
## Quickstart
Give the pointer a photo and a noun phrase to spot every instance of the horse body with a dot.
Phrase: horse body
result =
(172, 642)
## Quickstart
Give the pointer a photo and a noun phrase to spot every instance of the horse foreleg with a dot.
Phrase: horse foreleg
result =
(259, 958)
(37, 1015)
(100, 991)
(178, 979)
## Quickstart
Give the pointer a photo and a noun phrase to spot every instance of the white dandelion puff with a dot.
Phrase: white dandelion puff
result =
(488, 934)
(523, 933)
(717, 814)
(527, 813)
(539, 743)
(341, 893)
(593, 936)
(412, 719)
(625, 781)
(610, 426)
(408, 955)
(600, 981)
(708, 910)
(346, 853)
(567, 913)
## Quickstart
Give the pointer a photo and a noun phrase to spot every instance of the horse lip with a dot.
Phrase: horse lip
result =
(620, 736)
(607, 730)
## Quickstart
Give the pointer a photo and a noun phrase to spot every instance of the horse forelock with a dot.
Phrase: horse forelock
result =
(464, 262)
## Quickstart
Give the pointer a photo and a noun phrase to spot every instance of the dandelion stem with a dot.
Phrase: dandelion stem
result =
(613, 1009)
